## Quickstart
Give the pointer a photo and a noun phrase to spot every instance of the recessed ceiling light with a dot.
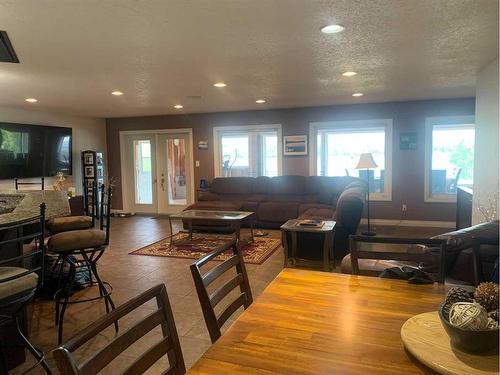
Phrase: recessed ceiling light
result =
(358, 94)
(117, 93)
(220, 84)
(31, 100)
(349, 74)
(332, 29)
(178, 106)
(260, 101)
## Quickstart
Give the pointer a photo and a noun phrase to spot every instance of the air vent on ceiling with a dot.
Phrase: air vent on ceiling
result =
(7, 53)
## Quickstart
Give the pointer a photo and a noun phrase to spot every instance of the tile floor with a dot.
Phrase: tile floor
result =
(131, 274)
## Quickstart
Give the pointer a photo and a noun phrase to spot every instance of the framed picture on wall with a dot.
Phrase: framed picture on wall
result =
(295, 145)
(89, 172)
(88, 158)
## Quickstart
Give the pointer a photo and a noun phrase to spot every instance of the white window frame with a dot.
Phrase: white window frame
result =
(430, 122)
(314, 127)
(217, 130)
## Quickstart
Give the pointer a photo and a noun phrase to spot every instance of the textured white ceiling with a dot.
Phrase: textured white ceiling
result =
(159, 52)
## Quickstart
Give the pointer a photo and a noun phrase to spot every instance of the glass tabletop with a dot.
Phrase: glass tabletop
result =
(212, 214)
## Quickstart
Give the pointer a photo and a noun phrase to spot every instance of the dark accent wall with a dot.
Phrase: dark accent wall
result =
(407, 165)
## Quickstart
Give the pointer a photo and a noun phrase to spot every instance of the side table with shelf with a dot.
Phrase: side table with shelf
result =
(291, 243)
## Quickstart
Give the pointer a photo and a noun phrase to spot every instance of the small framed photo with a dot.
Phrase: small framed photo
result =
(89, 172)
(295, 145)
(203, 145)
(88, 158)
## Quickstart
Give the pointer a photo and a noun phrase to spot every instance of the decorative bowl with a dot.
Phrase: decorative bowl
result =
(479, 341)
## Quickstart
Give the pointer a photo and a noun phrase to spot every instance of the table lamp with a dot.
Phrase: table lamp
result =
(366, 162)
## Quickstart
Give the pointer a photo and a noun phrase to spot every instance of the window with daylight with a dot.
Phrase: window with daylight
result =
(338, 146)
(449, 157)
(248, 151)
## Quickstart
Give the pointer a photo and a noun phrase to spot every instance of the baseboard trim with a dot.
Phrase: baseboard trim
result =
(411, 223)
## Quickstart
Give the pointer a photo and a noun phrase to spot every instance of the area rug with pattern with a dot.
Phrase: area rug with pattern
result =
(202, 243)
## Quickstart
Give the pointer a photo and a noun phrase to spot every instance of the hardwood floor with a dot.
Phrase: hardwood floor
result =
(131, 274)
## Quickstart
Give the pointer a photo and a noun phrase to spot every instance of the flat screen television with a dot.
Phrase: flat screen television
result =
(34, 150)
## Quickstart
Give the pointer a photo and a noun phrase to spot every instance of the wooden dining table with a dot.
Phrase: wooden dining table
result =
(309, 322)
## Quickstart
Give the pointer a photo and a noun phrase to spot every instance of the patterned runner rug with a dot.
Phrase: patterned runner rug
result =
(202, 243)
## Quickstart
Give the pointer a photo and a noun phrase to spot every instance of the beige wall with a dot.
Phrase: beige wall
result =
(88, 133)
(407, 165)
(486, 186)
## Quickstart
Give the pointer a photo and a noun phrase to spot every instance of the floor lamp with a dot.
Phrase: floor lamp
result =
(366, 162)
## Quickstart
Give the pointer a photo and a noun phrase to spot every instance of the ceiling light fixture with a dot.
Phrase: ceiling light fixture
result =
(220, 84)
(31, 100)
(178, 106)
(349, 74)
(332, 29)
(356, 94)
(117, 93)
(260, 101)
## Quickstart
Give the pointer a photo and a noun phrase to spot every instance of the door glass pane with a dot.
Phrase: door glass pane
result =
(270, 155)
(235, 156)
(176, 171)
(452, 158)
(143, 174)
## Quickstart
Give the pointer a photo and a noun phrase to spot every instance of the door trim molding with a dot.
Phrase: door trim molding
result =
(125, 185)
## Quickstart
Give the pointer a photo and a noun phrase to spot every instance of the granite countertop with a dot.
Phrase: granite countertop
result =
(19, 205)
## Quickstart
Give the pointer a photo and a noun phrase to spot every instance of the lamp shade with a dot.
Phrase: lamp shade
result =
(366, 161)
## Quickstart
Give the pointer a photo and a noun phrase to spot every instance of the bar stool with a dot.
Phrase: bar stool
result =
(22, 275)
(81, 250)
(68, 223)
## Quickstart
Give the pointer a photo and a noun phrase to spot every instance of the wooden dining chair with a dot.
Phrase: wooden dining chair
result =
(209, 301)
(169, 344)
(417, 257)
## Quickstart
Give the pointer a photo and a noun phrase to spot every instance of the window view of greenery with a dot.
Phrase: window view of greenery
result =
(452, 158)
(339, 151)
(16, 142)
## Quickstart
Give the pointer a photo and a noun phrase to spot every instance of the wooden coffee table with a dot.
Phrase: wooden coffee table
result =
(295, 230)
(232, 218)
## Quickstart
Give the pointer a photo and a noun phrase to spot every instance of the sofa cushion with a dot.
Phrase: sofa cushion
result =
(216, 205)
(277, 211)
(295, 198)
(260, 185)
(208, 196)
(287, 185)
(232, 185)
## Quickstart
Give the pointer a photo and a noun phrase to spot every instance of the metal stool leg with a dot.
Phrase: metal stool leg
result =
(102, 290)
(69, 287)
(37, 353)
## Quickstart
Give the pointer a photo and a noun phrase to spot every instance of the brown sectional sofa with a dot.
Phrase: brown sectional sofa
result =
(278, 199)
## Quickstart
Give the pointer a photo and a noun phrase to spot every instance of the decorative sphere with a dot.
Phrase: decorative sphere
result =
(469, 315)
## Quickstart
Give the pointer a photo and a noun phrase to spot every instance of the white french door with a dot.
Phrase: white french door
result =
(157, 171)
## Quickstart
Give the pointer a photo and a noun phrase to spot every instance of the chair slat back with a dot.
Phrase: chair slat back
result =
(13, 237)
(105, 209)
(357, 254)
(209, 301)
(168, 345)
